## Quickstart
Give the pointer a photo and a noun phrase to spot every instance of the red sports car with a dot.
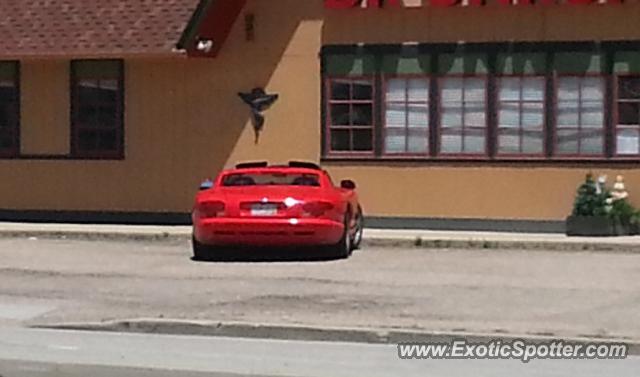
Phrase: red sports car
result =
(293, 205)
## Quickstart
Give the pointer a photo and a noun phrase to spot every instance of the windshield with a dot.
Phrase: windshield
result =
(271, 179)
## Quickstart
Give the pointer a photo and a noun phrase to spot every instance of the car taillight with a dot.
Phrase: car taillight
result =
(316, 209)
(210, 209)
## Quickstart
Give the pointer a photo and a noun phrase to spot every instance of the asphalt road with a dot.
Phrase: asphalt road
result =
(490, 291)
(40, 353)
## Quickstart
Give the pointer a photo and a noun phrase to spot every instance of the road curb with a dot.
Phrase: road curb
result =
(97, 236)
(329, 334)
(377, 241)
(490, 244)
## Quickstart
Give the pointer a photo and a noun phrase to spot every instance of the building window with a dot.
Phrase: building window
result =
(580, 104)
(9, 109)
(521, 115)
(627, 132)
(351, 115)
(463, 121)
(580, 116)
(406, 122)
(463, 104)
(484, 102)
(97, 104)
(350, 110)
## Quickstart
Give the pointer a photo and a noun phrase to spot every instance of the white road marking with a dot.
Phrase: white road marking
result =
(63, 348)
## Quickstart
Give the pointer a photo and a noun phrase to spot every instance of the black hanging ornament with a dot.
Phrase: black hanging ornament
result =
(259, 101)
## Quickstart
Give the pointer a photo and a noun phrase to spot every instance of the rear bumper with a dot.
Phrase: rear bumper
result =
(268, 232)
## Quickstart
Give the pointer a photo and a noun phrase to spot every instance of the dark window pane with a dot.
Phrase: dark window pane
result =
(87, 116)
(107, 116)
(629, 88)
(340, 115)
(628, 113)
(108, 91)
(363, 114)
(8, 71)
(350, 106)
(350, 64)
(340, 140)
(362, 140)
(97, 105)
(8, 106)
(107, 141)
(88, 91)
(8, 109)
(4, 116)
(8, 115)
(6, 140)
(103, 69)
(362, 90)
(87, 140)
(341, 90)
(7, 93)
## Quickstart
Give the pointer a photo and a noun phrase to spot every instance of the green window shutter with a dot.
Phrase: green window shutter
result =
(101, 69)
(579, 62)
(521, 64)
(397, 64)
(8, 71)
(463, 64)
(626, 62)
(350, 65)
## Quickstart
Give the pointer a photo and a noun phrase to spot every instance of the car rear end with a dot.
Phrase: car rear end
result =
(265, 213)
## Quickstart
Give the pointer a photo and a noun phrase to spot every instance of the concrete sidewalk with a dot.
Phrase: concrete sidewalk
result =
(372, 237)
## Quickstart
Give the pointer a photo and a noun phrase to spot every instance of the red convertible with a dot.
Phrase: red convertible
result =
(292, 205)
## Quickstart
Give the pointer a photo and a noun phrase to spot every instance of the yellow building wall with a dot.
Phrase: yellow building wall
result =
(44, 111)
(184, 121)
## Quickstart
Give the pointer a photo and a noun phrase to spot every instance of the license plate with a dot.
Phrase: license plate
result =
(264, 210)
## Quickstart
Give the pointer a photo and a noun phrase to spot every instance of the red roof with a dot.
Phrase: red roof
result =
(84, 28)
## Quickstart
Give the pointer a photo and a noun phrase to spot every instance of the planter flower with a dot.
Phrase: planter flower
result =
(598, 211)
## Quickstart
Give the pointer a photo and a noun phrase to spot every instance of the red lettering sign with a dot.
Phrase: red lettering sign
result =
(386, 3)
(452, 3)
(341, 4)
(347, 4)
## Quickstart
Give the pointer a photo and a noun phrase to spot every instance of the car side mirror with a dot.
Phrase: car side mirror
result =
(206, 185)
(348, 184)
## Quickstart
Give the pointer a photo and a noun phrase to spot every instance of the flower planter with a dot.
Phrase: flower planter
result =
(596, 226)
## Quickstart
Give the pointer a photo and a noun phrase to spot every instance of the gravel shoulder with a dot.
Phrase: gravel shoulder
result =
(568, 294)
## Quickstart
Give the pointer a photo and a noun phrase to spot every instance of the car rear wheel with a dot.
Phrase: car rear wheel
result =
(359, 230)
(344, 247)
(201, 252)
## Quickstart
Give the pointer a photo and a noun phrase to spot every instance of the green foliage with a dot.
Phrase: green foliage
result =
(635, 219)
(593, 199)
(623, 213)
(588, 201)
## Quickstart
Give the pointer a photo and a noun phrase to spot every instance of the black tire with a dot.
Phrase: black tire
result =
(200, 252)
(343, 248)
(357, 237)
